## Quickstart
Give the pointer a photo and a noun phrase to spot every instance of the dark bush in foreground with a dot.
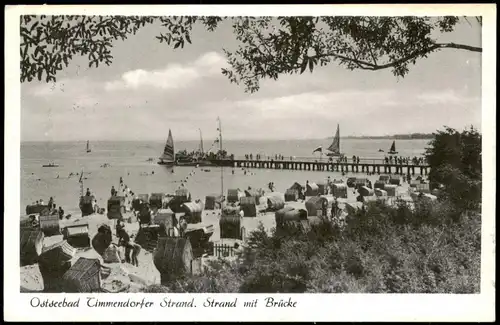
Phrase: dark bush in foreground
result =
(382, 250)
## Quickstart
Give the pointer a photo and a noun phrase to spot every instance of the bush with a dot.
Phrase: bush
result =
(434, 247)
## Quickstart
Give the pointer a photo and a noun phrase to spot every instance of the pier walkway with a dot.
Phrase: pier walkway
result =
(365, 165)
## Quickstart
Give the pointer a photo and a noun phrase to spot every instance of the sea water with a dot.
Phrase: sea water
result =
(129, 160)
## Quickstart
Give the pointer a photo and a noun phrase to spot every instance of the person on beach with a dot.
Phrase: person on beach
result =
(41, 202)
(136, 249)
(182, 226)
(61, 213)
(88, 192)
(113, 191)
(324, 208)
(119, 227)
(124, 241)
(51, 202)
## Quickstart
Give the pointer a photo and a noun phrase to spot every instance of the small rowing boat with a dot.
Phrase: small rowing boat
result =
(50, 165)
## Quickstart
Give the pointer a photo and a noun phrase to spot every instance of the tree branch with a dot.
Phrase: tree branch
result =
(373, 66)
(461, 47)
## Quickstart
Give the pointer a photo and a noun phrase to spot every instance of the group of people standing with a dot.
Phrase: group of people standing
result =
(258, 157)
(52, 207)
(404, 160)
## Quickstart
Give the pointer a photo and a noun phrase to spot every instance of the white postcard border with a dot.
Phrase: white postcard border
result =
(310, 307)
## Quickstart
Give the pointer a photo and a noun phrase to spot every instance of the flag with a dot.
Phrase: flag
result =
(318, 149)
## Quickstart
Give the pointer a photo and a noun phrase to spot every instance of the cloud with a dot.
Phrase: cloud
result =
(174, 76)
(315, 114)
(334, 104)
(448, 96)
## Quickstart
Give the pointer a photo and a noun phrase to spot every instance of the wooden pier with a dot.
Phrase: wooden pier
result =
(374, 166)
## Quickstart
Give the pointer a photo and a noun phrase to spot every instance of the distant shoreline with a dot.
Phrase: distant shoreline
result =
(413, 136)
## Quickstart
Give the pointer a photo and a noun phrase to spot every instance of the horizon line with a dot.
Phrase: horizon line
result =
(389, 137)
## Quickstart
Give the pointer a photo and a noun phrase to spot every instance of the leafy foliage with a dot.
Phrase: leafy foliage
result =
(455, 161)
(383, 250)
(49, 42)
(268, 46)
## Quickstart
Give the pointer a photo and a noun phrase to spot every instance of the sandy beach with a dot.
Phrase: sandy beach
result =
(125, 275)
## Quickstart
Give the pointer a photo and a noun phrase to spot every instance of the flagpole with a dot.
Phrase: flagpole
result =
(81, 183)
(220, 150)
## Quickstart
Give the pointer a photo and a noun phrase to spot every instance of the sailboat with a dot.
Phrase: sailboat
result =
(88, 147)
(334, 148)
(392, 150)
(168, 156)
(196, 159)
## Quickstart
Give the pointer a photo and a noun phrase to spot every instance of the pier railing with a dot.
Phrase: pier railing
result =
(363, 166)
(325, 159)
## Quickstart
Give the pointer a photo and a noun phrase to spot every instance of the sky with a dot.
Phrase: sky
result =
(151, 88)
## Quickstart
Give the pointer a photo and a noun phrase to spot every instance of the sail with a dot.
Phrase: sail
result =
(335, 146)
(168, 151)
(393, 147)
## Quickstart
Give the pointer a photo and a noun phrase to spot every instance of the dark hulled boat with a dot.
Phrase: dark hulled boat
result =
(392, 150)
